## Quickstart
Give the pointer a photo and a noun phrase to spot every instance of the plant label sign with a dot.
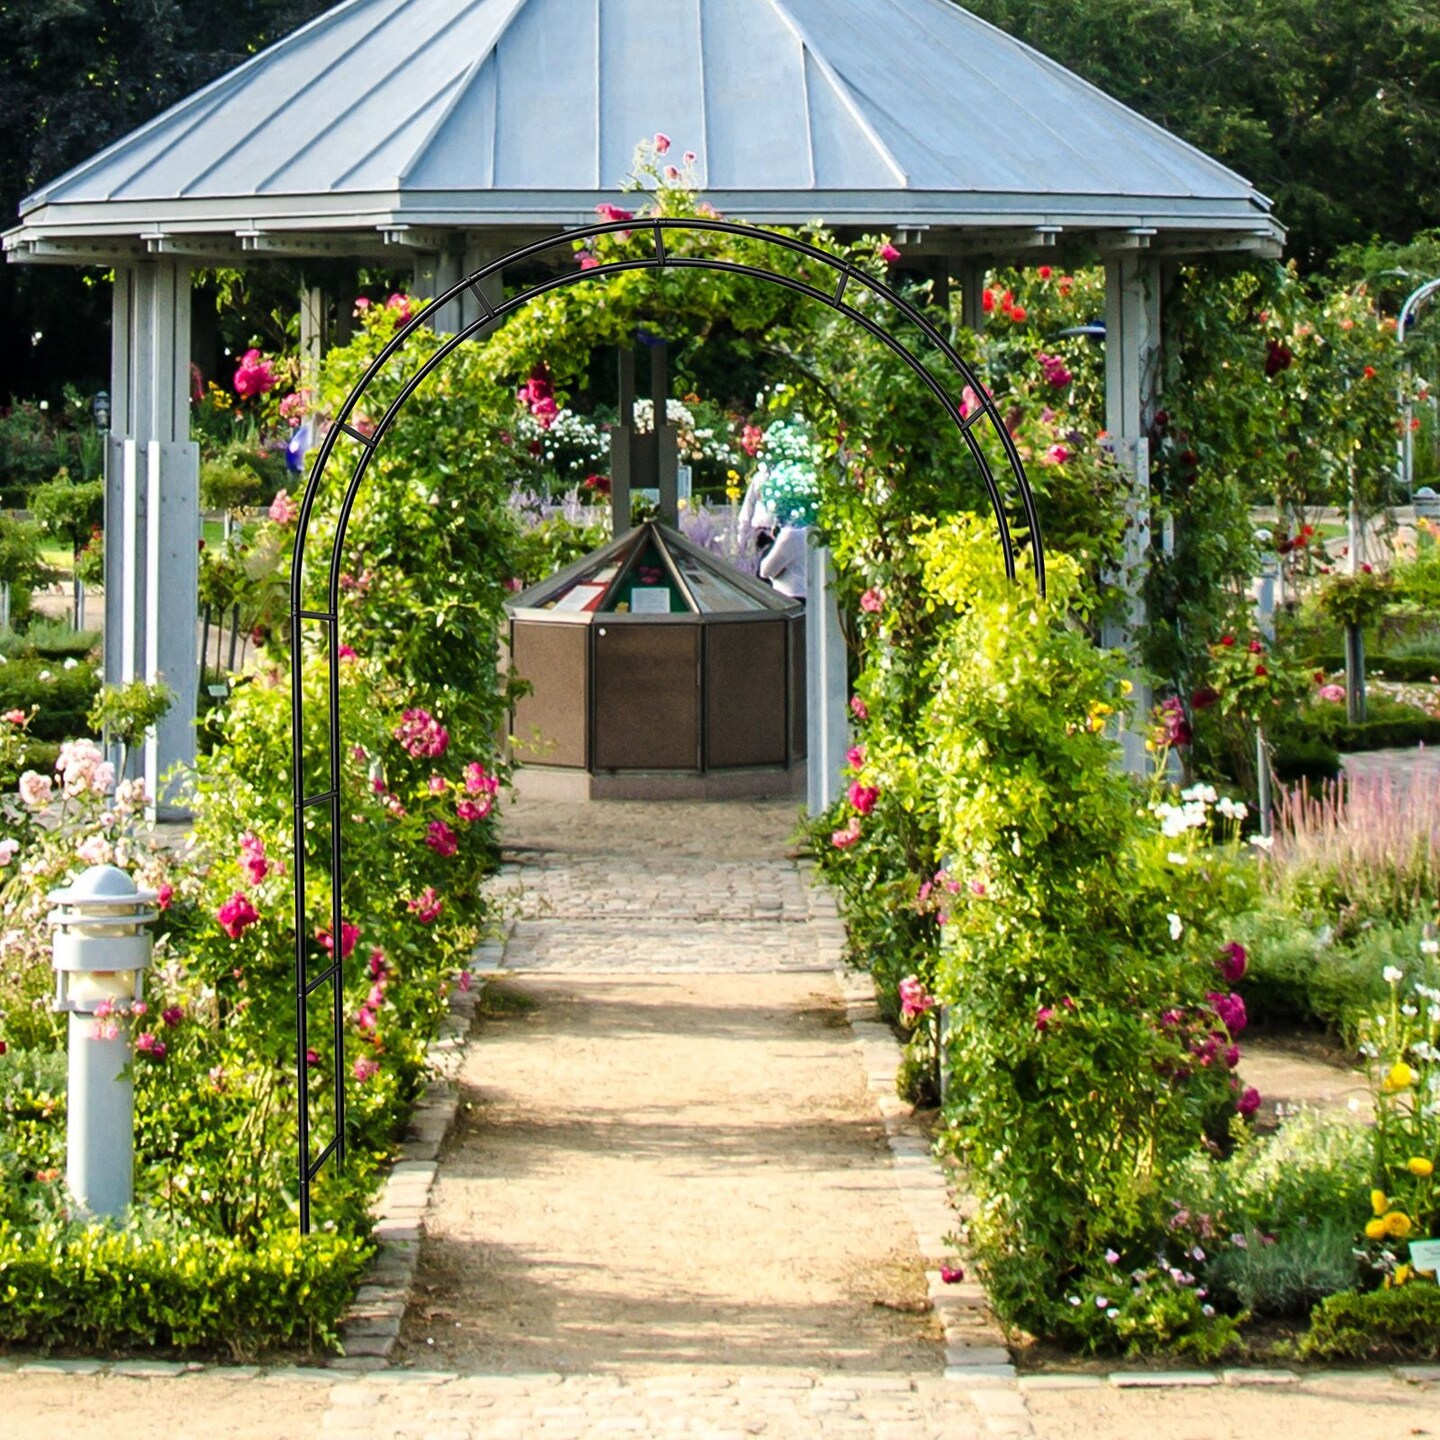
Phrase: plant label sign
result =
(1425, 1255)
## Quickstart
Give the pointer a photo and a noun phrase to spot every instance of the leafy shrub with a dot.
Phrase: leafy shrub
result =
(93, 1287)
(1294, 758)
(1414, 668)
(1288, 1273)
(1389, 725)
(63, 696)
(1401, 1320)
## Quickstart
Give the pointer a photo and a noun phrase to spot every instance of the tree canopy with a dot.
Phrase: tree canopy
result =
(1331, 110)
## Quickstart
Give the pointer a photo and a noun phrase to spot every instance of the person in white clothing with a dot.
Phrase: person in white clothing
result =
(783, 565)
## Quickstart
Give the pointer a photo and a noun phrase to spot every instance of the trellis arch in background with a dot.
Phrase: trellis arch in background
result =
(316, 778)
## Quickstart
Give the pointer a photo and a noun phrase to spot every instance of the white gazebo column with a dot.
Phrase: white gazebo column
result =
(1132, 363)
(827, 685)
(152, 503)
(970, 274)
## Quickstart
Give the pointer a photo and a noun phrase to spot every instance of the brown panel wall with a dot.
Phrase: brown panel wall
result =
(552, 657)
(745, 694)
(647, 699)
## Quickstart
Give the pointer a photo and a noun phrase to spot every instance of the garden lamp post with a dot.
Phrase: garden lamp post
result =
(100, 950)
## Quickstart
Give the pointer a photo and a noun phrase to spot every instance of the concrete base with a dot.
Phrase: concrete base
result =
(550, 782)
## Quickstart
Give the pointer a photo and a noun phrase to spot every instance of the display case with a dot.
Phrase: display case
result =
(650, 657)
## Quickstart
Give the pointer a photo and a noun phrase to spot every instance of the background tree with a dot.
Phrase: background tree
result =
(1332, 110)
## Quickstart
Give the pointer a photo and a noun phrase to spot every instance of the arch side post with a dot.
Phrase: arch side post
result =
(827, 684)
(1132, 364)
(152, 506)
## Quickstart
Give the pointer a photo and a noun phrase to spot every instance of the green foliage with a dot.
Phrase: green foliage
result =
(93, 1287)
(123, 713)
(63, 695)
(1357, 599)
(1399, 1321)
(1309, 100)
(1289, 1273)
(21, 565)
(68, 509)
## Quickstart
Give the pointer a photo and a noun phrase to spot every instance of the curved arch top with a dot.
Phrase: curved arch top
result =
(1013, 507)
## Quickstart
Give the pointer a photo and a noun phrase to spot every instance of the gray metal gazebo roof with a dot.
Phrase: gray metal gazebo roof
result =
(393, 120)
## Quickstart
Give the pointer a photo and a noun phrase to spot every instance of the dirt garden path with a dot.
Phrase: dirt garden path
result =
(668, 1206)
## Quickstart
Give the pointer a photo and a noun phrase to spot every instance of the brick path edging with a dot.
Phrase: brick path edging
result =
(371, 1327)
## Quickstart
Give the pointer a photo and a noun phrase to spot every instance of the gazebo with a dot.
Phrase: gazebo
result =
(444, 133)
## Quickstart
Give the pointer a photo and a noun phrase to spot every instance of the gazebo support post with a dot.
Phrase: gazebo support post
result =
(152, 505)
(312, 333)
(1132, 366)
(827, 684)
(971, 278)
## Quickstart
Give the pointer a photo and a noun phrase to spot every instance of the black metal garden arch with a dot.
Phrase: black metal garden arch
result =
(316, 779)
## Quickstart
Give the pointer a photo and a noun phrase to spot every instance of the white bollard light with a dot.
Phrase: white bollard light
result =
(100, 950)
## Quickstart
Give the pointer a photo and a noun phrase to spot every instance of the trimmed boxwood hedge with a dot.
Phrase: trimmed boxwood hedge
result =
(1407, 669)
(65, 698)
(89, 1287)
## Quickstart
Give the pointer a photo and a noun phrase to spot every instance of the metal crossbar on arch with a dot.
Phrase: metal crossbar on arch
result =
(316, 781)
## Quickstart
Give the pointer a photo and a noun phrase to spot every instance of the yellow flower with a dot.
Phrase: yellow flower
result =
(1126, 688)
(1098, 712)
(1402, 1274)
(1378, 1201)
(1375, 1229)
(1419, 1165)
(1397, 1225)
(1401, 1077)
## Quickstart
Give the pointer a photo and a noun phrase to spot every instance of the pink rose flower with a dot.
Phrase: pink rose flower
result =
(863, 797)
(915, 999)
(1249, 1101)
(35, 790)
(662, 142)
(236, 915)
(844, 839)
(1233, 962)
(858, 708)
(364, 1069)
(426, 906)
(441, 838)
(871, 602)
(472, 810)
(283, 510)
(252, 857)
(422, 735)
(888, 253)
(855, 756)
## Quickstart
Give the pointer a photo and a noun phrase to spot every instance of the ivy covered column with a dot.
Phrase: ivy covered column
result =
(1132, 367)
(152, 503)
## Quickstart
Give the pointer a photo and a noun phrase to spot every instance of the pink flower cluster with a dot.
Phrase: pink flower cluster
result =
(283, 510)
(422, 734)
(252, 857)
(441, 838)
(872, 602)
(84, 770)
(863, 797)
(843, 839)
(236, 915)
(426, 906)
(254, 376)
(915, 999)
(151, 1045)
(1054, 370)
(349, 939)
(481, 788)
(539, 394)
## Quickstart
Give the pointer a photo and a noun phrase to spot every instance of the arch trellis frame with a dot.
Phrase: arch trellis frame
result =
(326, 800)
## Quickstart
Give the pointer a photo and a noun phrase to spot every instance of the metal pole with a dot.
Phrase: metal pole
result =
(100, 1117)
(1262, 781)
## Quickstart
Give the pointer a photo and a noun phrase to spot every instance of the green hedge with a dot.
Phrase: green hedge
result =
(1404, 1320)
(64, 698)
(1408, 669)
(93, 1287)
(1390, 725)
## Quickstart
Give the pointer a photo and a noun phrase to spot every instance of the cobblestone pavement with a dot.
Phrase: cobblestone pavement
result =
(721, 1406)
(658, 887)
